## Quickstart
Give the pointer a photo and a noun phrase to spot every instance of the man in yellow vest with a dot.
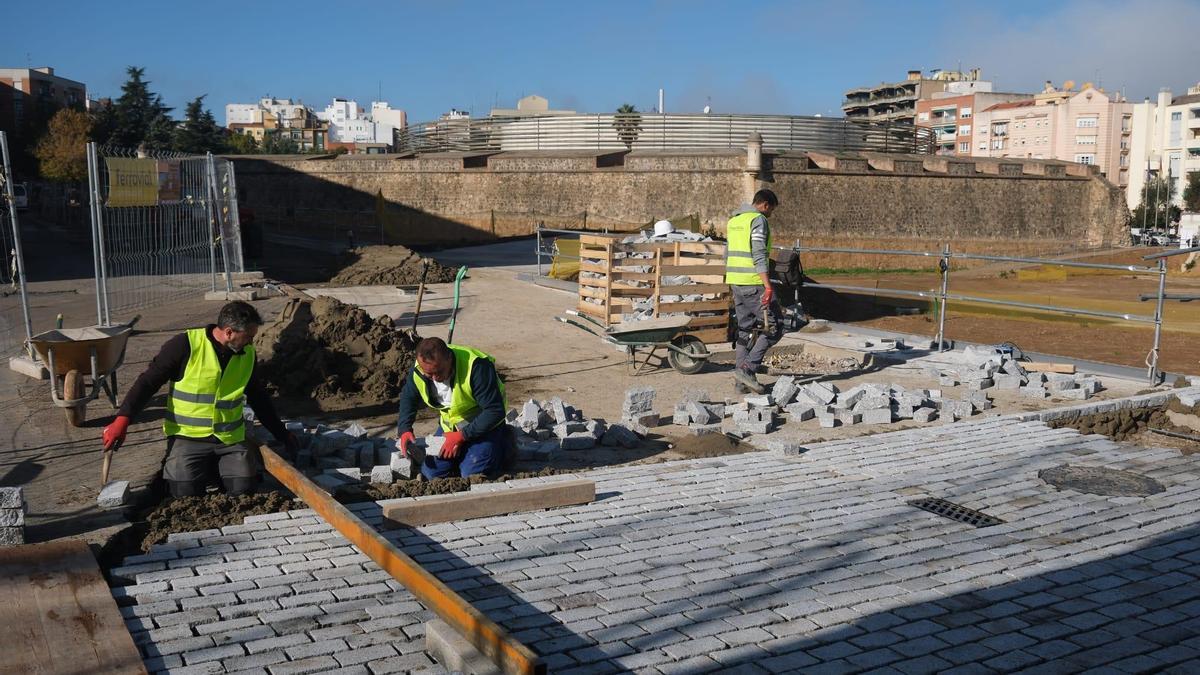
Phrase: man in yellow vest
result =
(747, 265)
(212, 376)
(462, 385)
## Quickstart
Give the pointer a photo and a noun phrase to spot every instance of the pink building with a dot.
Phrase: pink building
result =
(1089, 126)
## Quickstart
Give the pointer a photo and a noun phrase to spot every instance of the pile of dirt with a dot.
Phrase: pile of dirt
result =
(389, 266)
(1123, 425)
(796, 361)
(333, 355)
(213, 511)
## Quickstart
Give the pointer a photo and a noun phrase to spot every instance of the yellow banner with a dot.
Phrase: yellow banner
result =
(132, 182)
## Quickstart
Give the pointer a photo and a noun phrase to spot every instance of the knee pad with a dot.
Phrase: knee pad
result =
(186, 488)
(235, 487)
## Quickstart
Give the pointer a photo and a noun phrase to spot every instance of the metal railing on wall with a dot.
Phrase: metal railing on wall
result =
(648, 131)
(943, 296)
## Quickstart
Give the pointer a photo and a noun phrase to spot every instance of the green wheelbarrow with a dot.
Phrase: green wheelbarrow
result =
(686, 353)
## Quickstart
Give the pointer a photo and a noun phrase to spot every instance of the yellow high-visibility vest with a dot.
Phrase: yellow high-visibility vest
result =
(739, 263)
(208, 401)
(462, 406)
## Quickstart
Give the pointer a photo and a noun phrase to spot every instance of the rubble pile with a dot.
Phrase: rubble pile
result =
(987, 368)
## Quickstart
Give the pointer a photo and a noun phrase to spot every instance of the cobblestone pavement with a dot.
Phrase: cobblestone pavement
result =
(752, 563)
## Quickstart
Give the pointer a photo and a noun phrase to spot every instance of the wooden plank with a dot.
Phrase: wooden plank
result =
(691, 271)
(703, 306)
(599, 239)
(695, 288)
(593, 310)
(707, 321)
(689, 247)
(711, 336)
(59, 615)
(467, 505)
(1043, 367)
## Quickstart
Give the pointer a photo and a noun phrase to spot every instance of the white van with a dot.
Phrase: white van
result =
(20, 196)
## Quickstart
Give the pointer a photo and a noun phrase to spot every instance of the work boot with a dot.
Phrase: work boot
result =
(749, 381)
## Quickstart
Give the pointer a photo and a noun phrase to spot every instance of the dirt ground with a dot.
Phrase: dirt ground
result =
(1135, 426)
(388, 265)
(1096, 339)
(511, 319)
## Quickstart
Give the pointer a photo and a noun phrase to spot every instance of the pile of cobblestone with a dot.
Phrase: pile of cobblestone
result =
(986, 368)
(544, 428)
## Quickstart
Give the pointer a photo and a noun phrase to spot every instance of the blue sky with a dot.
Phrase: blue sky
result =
(750, 56)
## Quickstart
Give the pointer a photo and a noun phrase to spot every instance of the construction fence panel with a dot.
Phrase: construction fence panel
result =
(167, 227)
(13, 311)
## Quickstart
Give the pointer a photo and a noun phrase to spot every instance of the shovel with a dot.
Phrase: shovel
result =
(462, 272)
(107, 462)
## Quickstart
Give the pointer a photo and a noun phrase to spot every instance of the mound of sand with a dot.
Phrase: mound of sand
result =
(333, 354)
(390, 266)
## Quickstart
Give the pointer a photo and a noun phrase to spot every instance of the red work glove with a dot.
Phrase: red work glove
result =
(402, 442)
(114, 434)
(454, 441)
(768, 295)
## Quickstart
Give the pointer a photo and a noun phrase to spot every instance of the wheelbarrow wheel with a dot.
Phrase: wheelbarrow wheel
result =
(689, 356)
(73, 390)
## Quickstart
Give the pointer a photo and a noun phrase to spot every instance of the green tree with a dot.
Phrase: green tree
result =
(61, 152)
(1156, 212)
(1191, 192)
(276, 143)
(240, 144)
(628, 123)
(137, 118)
(198, 133)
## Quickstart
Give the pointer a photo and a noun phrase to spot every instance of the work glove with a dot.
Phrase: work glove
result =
(454, 441)
(114, 434)
(402, 442)
(768, 295)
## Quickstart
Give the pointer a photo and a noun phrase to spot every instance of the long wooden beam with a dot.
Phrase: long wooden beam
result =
(466, 505)
(487, 636)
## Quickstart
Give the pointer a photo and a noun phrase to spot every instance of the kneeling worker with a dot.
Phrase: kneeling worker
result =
(461, 384)
(212, 375)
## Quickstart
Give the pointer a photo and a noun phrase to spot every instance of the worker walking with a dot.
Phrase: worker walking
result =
(462, 385)
(747, 266)
(212, 376)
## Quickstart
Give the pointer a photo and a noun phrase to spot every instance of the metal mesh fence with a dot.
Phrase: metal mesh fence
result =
(168, 227)
(13, 312)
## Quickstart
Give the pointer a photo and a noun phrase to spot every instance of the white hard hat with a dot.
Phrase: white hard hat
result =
(663, 227)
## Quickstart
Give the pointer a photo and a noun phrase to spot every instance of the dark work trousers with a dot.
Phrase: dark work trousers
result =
(748, 308)
(482, 455)
(190, 464)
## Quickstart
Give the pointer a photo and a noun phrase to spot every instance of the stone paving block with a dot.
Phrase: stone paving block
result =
(114, 495)
(699, 414)
(1034, 391)
(703, 429)
(382, 475)
(980, 384)
(578, 441)
(877, 416)
(759, 401)
(784, 390)
(1008, 382)
(1079, 394)
(800, 412)
(820, 393)
(638, 401)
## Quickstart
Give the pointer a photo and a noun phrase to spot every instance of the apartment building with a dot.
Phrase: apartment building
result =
(951, 113)
(896, 102)
(1086, 126)
(24, 90)
(1165, 141)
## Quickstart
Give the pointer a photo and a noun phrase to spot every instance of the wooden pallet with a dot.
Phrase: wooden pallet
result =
(704, 262)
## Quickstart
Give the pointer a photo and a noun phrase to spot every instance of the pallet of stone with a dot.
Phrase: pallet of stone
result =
(619, 281)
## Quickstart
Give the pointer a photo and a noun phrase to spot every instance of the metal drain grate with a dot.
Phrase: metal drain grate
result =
(953, 511)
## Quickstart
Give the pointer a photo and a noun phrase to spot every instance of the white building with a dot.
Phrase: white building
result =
(1166, 141)
(289, 114)
(349, 124)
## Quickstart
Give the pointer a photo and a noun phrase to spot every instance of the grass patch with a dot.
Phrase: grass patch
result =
(862, 271)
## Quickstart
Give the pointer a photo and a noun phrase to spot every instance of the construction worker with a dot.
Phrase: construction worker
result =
(212, 376)
(747, 266)
(461, 384)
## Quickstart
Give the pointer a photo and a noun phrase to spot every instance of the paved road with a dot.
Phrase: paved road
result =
(754, 563)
